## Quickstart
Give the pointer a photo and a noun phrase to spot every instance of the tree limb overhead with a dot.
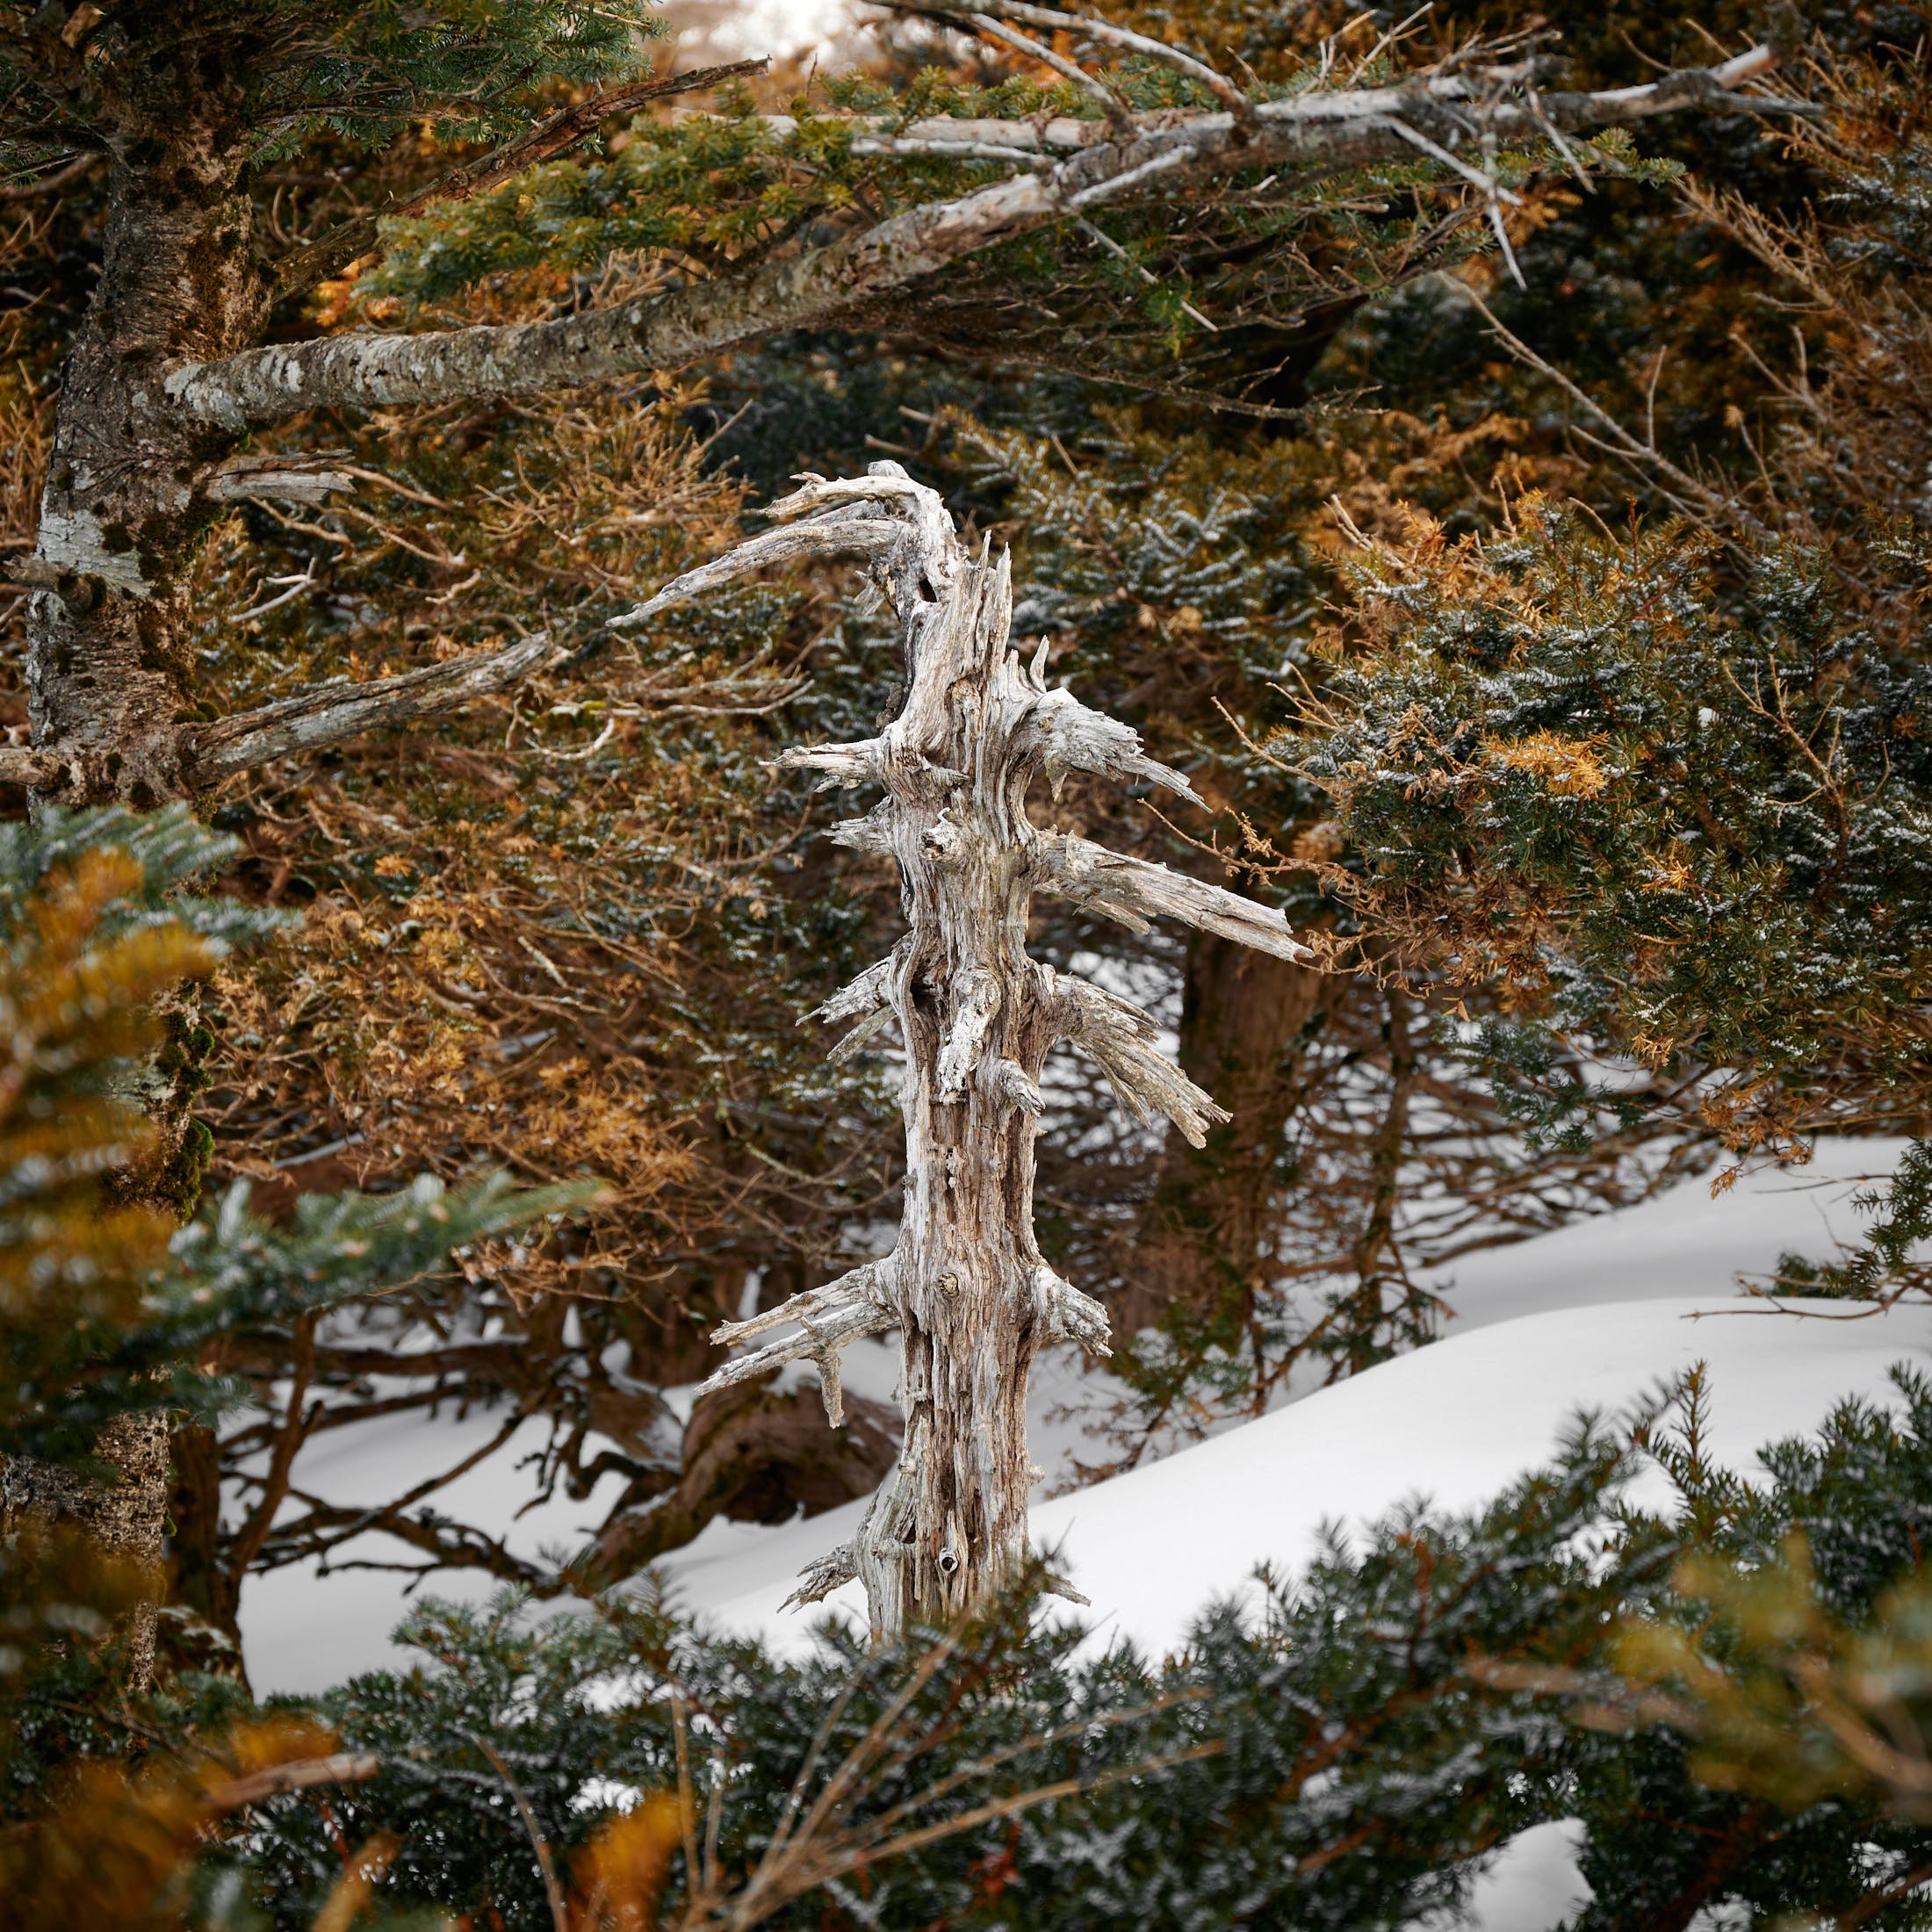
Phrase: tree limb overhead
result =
(1157, 154)
(330, 713)
(330, 253)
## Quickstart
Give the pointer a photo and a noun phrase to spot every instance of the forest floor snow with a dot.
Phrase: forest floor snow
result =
(1592, 1317)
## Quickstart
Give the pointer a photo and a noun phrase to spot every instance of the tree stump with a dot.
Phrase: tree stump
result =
(966, 1285)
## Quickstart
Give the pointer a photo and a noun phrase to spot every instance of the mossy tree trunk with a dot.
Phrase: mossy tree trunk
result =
(126, 504)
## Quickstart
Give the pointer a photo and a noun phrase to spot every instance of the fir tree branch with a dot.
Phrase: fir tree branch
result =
(333, 252)
(1162, 155)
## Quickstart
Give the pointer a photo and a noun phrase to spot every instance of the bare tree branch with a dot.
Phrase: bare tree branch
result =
(37, 771)
(1133, 894)
(1159, 154)
(330, 713)
(333, 252)
(303, 1775)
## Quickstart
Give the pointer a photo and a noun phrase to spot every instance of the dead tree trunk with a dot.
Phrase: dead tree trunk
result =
(966, 1285)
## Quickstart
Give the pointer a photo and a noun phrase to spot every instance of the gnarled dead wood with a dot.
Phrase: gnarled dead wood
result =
(966, 1285)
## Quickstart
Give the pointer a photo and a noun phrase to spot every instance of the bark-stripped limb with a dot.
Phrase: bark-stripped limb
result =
(858, 1304)
(1019, 1087)
(284, 478)
(1072, 1316)
(866, 994)
(880, 1546)
(852, 534)
(303, 1775)
(868, 1028)
(1157, 154)
(819, 1578)
(1423, 99)
(871, 833)
(1134, 893)
(1121, 1039)
(330, 713)
(867, 998)
(1071, 736)
(858, 763)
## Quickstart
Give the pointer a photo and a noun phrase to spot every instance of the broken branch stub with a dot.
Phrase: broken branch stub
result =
(966, 1285)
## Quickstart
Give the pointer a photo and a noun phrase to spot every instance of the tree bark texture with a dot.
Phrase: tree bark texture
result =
(1245, 1028)
(124, 1517)
(121, 513)
(966, 1285)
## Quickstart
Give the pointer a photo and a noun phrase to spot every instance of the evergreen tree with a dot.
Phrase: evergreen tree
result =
(1663, 793)
(554, 259)
(111, 1316)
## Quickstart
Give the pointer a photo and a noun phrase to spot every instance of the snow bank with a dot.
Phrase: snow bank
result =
(1591, 1316)
(1453, 1422)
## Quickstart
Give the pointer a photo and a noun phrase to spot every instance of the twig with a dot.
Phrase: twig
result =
(560, 1917)
(1620, 441)
(304, 1774)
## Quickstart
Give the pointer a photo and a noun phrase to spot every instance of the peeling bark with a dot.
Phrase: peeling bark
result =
(967, 1287)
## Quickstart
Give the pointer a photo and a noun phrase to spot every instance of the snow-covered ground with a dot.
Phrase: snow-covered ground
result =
(1593, 1317)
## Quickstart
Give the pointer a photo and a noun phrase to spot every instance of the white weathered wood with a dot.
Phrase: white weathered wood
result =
(1132, 893)
(972, 1297)
(828, 1319)
(870, 991)
(1121, 1039)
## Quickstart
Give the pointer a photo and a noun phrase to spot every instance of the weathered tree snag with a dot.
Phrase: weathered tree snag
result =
(966, 1285)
